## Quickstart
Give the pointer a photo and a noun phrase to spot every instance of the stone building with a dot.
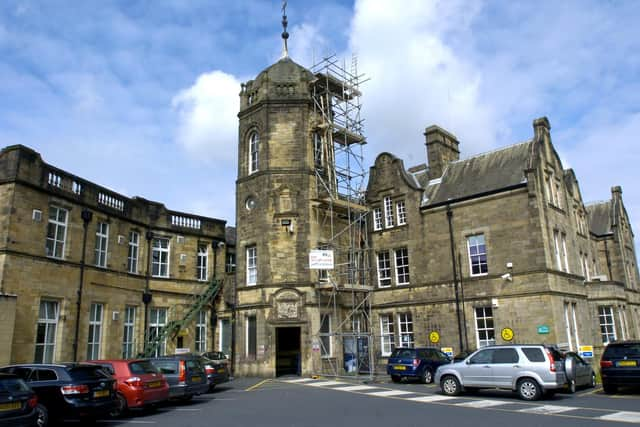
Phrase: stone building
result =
(83, 269)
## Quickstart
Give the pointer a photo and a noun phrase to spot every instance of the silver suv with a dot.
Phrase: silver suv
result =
(529, 370)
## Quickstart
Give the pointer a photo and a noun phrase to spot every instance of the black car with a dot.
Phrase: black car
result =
(620, 365)
(69, 390)
(185, 374)
(415, 363)
(19, 404)
(216, 368)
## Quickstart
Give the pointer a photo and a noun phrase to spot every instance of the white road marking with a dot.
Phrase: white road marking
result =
(548, 409)
(624, 416)
(432, 398)
(127, 421)
(326, 383)
(187, 409)
(482, 403)
(389, 393)
(299, 380)
(355, 388)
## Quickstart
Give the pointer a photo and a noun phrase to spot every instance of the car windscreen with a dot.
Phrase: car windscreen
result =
(403, 352)
(166, 366)
(193, 364)
(8, 385)
(142, 367)
(87, 373)
(622, 350)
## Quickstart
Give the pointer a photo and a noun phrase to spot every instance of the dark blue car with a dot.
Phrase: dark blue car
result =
(415, 363)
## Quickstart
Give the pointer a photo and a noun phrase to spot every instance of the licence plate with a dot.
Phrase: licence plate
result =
(154, 384)
(627, 363)
(196, 379)
(101, 393)
(10, 406)
(400, 368)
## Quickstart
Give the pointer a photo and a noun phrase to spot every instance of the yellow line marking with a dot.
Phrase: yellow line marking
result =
(258, 385)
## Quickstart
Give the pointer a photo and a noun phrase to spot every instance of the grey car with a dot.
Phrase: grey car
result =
(185, 374)
(530, 370)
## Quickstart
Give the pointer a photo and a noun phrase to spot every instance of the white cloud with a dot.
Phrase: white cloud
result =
(207, 118)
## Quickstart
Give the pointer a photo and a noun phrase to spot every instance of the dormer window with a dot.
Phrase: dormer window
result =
(254, 141)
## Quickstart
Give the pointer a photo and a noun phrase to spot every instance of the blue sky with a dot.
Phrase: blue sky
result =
(142, 96)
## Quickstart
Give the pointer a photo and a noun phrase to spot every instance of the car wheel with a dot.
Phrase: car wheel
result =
(592, 384)
(120, 408)
(42, 420)
(395, 378)
(450, 385)
(528, 389)
(608, 388)
(427, 376)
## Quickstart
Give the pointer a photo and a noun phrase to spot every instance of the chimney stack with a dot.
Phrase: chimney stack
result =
(442, 149)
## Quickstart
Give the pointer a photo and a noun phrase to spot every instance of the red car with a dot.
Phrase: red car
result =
(139, 383)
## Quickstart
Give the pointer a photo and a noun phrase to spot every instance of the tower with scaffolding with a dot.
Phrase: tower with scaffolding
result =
(340, 214)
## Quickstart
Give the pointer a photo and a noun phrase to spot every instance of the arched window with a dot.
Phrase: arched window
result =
(254, 141)
(317, 148)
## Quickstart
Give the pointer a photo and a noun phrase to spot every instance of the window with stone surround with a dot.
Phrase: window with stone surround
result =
(607, 324)
(251, 337)
(388, 212)
(326, 349)
(401, 212)
(377, 219)
(254, 146)
(56, 232)
(405, 329)
(384, 269)
(201, 332)
(252, 265)
(565, 256)
(46, 331)
(102, 243)
(477, 255)
(128, 334)
(132, 256)
(95, 331)
(160, 257)
(402, 266)
(317, 149)
(157, 321)
(387, 343)
(230, 264)
(202, 262)
(485, 332)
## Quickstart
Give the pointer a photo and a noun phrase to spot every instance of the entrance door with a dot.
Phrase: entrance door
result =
(288, 351)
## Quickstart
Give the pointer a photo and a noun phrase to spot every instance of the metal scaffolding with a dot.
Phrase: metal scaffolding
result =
(344, 334)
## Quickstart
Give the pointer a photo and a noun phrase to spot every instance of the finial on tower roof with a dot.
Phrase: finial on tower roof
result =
(285, 35)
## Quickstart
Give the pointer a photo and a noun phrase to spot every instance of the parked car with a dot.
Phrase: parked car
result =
(620, 365)
(185, 374)
(217, 370)
(72, 390)
(19, 404)
(415, 363)
(140, 384)
(579, 372)
(529, 370)
(217, 356)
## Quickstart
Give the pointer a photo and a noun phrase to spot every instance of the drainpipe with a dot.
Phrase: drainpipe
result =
(86, 216)
(234, 317)
(146, 295)
(455, 274)
(464, 313)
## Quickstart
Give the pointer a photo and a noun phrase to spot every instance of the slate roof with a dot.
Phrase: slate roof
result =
(485, 173)
(600, 218)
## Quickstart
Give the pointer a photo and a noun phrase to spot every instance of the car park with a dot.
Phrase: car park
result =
(620, 365)
(579, 372)
(530, 370)
(415, 363)
(217, 369)
(185, 374)
(69, 390)
(19, 404)
(140, 384)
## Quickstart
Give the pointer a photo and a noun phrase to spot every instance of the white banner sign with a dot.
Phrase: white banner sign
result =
(320, 259)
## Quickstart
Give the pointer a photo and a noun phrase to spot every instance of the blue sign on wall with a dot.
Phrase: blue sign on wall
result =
(543, 329)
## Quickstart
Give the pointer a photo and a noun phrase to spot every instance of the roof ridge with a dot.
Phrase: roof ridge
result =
(492, 151)
(597, 202)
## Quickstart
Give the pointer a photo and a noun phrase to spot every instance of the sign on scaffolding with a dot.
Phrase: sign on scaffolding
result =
(321, 259)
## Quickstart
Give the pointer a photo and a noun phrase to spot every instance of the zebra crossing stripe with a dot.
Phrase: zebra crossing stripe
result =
(388, 393)
(432, 398)
(482, 403)
(548, 409)
(299, 380)
(624, 416)
(326, 383)
(355, 388)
